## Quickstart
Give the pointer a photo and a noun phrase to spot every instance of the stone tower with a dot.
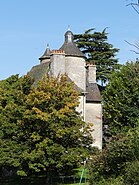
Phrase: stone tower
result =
(74, 61)
(71, 61)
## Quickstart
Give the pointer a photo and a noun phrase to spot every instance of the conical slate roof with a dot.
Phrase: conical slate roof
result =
(46, 53)
(69, 47)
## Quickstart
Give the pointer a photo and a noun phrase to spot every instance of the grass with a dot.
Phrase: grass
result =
(84, 183)
(76, 184)
(79, 178)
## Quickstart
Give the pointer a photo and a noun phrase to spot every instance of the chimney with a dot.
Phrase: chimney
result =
(91, 73)
(57, 62)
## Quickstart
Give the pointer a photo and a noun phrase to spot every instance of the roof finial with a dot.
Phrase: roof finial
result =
(47, 46)
(69, 28)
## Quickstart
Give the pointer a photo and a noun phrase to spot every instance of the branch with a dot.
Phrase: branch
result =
(132, 44)
(136, 46)
(135, 52)
(133, 6)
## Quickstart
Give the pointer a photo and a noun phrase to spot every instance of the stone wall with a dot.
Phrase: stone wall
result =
(93, 114)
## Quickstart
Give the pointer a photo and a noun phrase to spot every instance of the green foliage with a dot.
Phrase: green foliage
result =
(121, 99)
(12, 96)
(110, 181)
(117, 159)
(99, 51)
(132, 173)
(40, 129)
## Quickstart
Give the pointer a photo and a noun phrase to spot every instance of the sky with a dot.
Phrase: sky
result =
(26, 26)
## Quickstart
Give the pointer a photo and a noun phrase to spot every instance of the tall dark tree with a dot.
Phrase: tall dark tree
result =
(97, 50)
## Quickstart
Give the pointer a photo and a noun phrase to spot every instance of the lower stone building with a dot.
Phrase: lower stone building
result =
(71, 61)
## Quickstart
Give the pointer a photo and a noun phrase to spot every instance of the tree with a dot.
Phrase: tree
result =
(118, 163)
(12, 97)
(41, 131)
(121, 114)
(97, 50)
(121, 99)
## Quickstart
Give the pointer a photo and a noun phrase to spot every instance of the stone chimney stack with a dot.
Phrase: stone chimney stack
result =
(91, 73)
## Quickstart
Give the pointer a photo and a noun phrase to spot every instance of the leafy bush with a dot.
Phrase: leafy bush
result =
(117, 159)
(132, 173)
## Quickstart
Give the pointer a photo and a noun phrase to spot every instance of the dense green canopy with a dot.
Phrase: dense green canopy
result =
(118, 162)
(121, 99)
(40, 130)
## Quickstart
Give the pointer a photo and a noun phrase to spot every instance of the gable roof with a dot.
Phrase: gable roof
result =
(93, 93)
(39, 71)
